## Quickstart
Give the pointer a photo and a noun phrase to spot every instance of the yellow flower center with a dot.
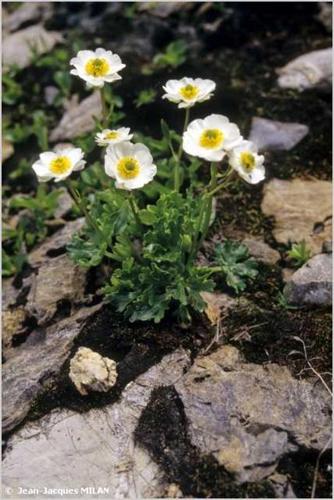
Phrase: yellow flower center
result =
(247, 161)
(97, 67)
(189, 91)
(60, 165)
(128, 167)
(112, 134)
(211, 138)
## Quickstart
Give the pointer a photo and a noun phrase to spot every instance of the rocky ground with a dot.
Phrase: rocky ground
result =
(239, 404)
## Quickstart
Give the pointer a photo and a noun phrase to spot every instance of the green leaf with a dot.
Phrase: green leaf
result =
(235, 264)
(299, 253)
(146, 96)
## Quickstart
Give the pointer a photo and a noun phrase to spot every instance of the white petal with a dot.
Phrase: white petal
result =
(47, 157)
(110, 166)
(112, 77)
(215, 121)
(84, 55)
(41, 169)
(74, 154)
(186, 104)
(79, 166)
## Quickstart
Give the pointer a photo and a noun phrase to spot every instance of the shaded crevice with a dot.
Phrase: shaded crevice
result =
(162, 431)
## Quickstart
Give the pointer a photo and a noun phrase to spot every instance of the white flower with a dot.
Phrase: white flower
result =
(188, 91)
(97, 67)
(131, 165)
(245, 160)
(58, 165)
(211, 138)
(114, 136)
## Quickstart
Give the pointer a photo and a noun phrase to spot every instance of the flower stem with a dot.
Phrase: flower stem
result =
(177, 181)
(82, 207)
(208, 210)
(194, 248)
(223, 184)
(134, 208)
(185, 125)
(104, 108)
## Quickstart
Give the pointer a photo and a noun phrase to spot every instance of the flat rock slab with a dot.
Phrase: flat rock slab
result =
(37, 362)
(270, 135)
(78, 119)
(17, 49)
(57, 280)
(302, 210)
(93, 449)
(311, 70)
(248, 416)
(311, 285)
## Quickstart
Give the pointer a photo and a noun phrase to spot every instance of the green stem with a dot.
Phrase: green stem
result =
(82, 207)
(176, 175)
(194, 247)
(177, 181)
(207, 204)
(134, 208)
(104, 108)
(223, 184)
(215, 269)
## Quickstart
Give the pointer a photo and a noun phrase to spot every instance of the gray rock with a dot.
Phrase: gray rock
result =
(96, 448)
(312, 284)
(55, 243)
(50, 93)
(10, 293)
(270, 135)
(13, 325)
(17, 49)
(325, 15)
(64, 204)
(262, 252)
(302, 210)
(29, 11)
(36, 363)
(89, 371)
(57, 279)
(312, 70)
(163, 9)
(78, 119)
(248, 416)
